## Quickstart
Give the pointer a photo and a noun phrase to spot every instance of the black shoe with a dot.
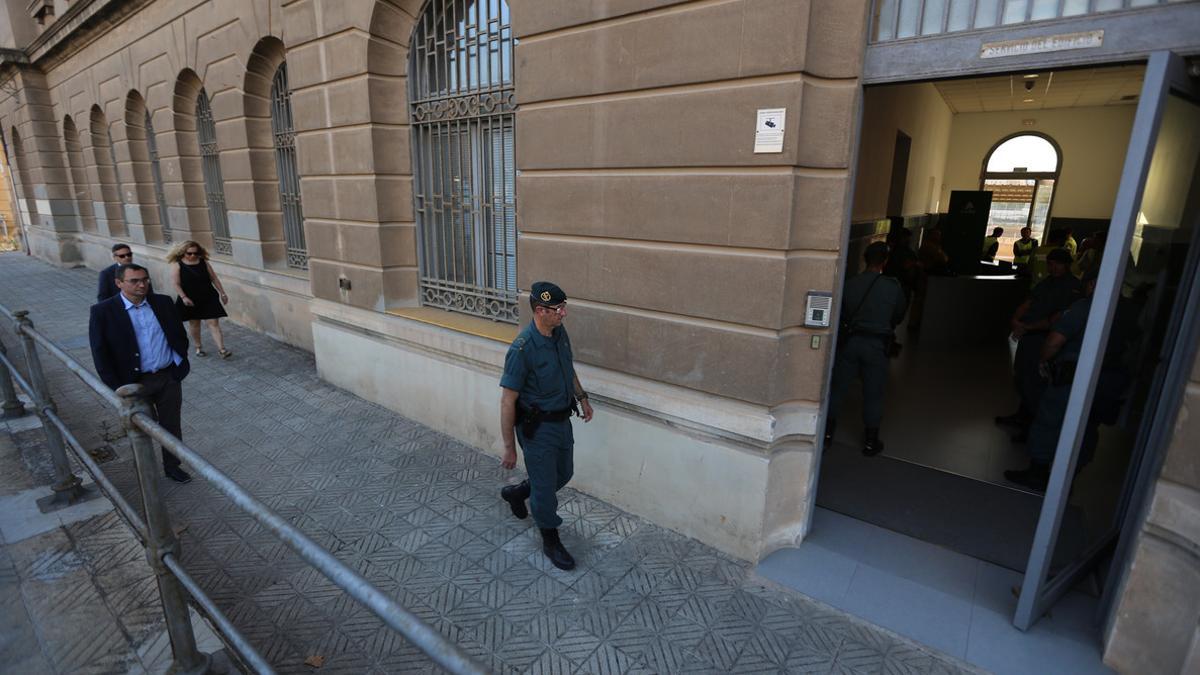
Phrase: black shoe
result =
(1035, 477)
(553, 548)
(872, 445)
(830, 429)
(1013, 420)
(516, 495)
(177, 474)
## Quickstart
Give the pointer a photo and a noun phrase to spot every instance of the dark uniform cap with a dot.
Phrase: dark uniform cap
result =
(546, 293)
(1059, 255)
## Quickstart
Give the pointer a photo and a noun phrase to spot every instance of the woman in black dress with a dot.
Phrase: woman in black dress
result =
(200, 293)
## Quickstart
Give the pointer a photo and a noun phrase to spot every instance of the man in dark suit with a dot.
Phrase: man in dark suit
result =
(122, 255)
(137, 336)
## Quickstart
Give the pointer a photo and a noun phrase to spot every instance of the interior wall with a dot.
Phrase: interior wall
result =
(1093, 142)
(919, 111)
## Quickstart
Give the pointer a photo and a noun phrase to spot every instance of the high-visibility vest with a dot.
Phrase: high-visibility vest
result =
(988, 243)
(1022, 250)
(1071, 246)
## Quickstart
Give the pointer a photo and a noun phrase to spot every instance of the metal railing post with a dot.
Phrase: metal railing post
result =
(12, 406)
(67, 488)
(161, 539)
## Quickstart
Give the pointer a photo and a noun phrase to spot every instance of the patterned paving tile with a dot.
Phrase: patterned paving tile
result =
(418, 514)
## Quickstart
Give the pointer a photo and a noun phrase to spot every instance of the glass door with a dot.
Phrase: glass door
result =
(1146, 282)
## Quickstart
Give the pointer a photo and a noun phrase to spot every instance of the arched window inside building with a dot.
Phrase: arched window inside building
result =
(462, 109)
(1021, 172)
(283, 132)
(160, 196)
(214, 184)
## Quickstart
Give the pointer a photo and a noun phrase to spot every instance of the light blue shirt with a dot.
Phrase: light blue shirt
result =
(153, 350)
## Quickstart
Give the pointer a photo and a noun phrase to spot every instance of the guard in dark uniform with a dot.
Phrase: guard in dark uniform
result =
(872, 306)
(1058, 359)
(1030, 325)
(540, 392)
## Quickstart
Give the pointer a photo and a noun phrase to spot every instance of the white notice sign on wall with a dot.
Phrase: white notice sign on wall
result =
(768, 134)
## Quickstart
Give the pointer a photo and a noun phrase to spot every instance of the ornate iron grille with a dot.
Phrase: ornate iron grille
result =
(214, 184)
(461, 89)
(285, 165)
(156, 172)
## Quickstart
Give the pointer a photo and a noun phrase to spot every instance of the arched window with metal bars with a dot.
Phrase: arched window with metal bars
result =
(214, 184)
(284, 134)
(463, 119)
(160, 196)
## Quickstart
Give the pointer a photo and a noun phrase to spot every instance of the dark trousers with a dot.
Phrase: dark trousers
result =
(861, 357)
(165, 395)
(550, 463)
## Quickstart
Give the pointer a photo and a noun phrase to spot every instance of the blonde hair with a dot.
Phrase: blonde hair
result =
(176, 252)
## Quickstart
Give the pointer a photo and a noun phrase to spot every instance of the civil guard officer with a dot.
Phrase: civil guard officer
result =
(991, 244)
(872, 305)
(540, 391)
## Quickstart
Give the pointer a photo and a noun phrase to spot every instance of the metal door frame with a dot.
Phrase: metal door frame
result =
(1166, 71)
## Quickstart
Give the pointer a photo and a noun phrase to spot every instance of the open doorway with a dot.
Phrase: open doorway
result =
(940, 480)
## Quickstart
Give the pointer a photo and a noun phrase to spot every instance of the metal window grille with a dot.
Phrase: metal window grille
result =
(214, 185)
(156, 171)
(284, 133)
(461, 89)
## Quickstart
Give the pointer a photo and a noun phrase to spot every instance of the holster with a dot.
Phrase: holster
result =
(529, 419)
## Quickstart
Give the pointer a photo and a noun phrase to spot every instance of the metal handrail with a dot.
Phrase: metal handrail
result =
(444, 652)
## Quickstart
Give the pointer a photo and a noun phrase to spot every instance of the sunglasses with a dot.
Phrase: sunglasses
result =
(124, 255)
(191, 253)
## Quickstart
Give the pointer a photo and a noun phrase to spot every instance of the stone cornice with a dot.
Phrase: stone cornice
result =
(84, 21)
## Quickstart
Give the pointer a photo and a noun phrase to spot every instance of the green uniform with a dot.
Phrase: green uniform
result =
(542, 370)
(863, 353)
(1051, 296)
(1022, 250)
(1110, 386)
(991, 246)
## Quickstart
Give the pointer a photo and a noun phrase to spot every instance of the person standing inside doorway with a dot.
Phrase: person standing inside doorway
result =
(122, 255)
(539, 392)
(1038, 269)
(1023, 249)
(991, 244)
(1030, 325)
(200, 293)
(872, 306)
(136, 337)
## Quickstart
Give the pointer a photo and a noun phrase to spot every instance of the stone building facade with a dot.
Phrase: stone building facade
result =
(686, 255)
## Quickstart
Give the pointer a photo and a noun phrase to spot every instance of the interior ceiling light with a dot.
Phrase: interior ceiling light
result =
(1028, 100)
(1030, 76)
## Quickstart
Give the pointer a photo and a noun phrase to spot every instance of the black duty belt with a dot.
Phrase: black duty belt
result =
(531, 417)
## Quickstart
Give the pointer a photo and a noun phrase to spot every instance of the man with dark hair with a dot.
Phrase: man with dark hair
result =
(1023, 249)
(991, 244)
(872, 306)
(136, 336)
(1030, 325)
(122, 255)
(539, 392)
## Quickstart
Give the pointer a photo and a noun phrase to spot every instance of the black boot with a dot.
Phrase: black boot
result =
(553, 548)
(830, 429)
(872, 445)
(516, 495)
(1035, 477)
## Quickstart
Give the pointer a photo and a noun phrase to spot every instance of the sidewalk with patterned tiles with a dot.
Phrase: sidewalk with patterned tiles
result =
(418, 514)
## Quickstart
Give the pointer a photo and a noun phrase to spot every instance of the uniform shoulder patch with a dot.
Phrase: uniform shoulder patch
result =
(519, 343)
